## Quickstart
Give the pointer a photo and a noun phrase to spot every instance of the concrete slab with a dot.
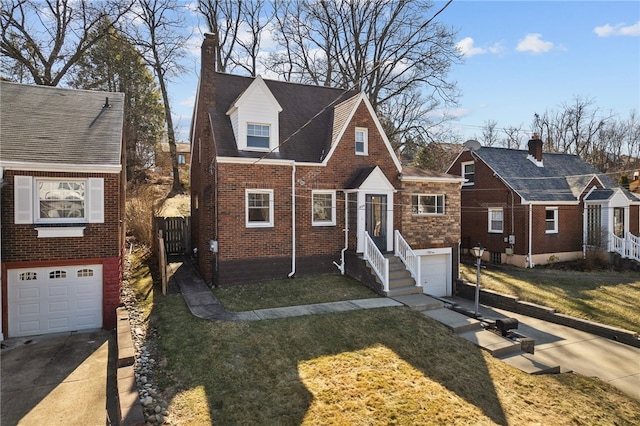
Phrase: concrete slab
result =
(380, 302)
(454, 321)
(528, 364)
(59, 380)
(419, 302)
(496, 345)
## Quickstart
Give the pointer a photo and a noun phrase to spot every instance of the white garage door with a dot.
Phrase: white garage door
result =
(435, 275)
(54, 299)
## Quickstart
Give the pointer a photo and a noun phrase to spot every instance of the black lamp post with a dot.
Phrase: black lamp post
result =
(477, 252)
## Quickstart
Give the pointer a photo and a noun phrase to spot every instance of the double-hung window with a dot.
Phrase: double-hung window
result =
(551, 220)
(259, 208)
(258, 136)
(496, 220)
(468, 172)
(427, 204)
(323, 208)
(362, 143)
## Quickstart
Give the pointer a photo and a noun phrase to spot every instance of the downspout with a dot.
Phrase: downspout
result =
(529, 257)
(584, 230)
(293, 220)
(341, 266)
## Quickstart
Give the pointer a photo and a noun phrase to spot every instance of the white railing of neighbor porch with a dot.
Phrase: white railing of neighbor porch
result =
(378, 262)
(628, 247)
(404, 251)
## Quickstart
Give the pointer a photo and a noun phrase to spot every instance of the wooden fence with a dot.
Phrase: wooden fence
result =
(176, 232)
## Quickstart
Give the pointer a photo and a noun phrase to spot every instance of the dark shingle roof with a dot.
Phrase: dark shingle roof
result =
(41, 124)
(305, 142)
(562, 178)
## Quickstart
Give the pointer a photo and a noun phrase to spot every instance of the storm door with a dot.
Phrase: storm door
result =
(376, 219)
(618, 221)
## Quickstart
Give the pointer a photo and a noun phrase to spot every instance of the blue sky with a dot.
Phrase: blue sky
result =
(520, 58)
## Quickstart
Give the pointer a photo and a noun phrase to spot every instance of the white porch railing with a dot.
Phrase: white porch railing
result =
(628, 247)
(378, 262)
(407, 255)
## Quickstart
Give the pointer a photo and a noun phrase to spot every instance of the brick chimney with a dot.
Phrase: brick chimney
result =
(535, 150)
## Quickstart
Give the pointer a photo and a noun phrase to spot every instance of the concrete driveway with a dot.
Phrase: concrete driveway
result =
(56, 380)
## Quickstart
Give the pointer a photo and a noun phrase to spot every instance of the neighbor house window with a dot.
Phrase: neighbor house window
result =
(551, 220)
(324, 208)
(182, 159)
(362, 136)
(258, 136)
(46, 200)
(259, 208)
(468, 172)
(427, 204)
(496, 220)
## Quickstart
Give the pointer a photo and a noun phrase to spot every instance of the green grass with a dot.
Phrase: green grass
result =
(291, 292)
(606, 297)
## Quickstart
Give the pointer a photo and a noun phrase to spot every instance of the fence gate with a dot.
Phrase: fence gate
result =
(176, 232)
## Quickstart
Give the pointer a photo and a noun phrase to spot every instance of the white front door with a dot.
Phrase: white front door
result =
(54, 299)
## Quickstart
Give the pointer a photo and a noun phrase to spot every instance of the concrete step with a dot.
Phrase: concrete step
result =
(400, 291)
(418, 301)
(454, 321)
(527, 363)
(401, 282)
(398, 274)
(497, 346)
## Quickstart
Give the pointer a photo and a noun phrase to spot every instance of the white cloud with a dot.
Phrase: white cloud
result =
(533, 43)
(466, 47)
(618, 30)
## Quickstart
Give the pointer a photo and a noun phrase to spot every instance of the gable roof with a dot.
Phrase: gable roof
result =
(60, 128)
(306, 120)
(562, 179)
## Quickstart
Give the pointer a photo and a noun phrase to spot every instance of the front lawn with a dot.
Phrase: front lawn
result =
(606, 297)
(379, 366)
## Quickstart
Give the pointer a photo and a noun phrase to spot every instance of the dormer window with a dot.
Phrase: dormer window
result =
(361, 141)
(258, 136)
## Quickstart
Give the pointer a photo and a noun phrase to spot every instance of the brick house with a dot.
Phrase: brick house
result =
(292, 180)
(61, 208)
(529, 208)
(163, 164)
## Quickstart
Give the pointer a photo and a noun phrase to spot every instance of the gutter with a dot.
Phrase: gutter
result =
(293, 220)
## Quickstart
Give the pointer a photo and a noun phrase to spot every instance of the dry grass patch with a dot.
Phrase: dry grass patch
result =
(379, 366)
(606, 297)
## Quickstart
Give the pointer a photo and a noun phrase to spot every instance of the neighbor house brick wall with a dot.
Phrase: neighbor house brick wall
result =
(20, 242)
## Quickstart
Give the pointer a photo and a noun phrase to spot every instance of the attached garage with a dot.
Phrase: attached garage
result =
(54, 299)
(435, 271)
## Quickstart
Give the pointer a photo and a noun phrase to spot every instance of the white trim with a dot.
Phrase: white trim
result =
(60, 232)
(249, 224)
(62, 168)
(556, 220)
(365, 148)
(331, 222)
(417, 206)
(264, 161)
(467, 182)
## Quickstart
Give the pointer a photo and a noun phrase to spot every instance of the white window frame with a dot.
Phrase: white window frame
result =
(365, 135)
(439, 205)
(259, 148)
(464, 174)
(554, 220)
(27, 200)
(255, 224)
(182, 159)
(491, 229)
(332, 221)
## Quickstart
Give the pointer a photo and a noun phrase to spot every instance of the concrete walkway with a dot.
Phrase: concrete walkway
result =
(557, 348)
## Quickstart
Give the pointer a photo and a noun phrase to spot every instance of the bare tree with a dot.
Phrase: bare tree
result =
(223, 19)
(158, 33)
(394, 51)
(46, 38)
(489, 133)
(513, 137)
